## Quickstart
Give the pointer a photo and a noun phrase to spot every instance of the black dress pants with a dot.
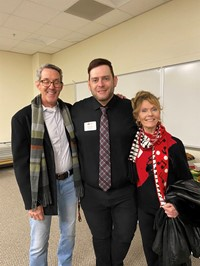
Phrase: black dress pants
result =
(112, 219)
(146, 223)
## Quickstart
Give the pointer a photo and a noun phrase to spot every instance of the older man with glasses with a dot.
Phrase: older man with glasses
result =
(46, 166)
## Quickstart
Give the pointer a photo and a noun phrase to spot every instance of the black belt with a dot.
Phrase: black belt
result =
(64, 175)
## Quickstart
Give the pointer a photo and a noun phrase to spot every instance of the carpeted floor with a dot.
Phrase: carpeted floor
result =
(14, 233)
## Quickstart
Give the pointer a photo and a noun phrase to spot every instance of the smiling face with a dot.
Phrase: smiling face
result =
(102, 83)
(148, 116)
(49, 93)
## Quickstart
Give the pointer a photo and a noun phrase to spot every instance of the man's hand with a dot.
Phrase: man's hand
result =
(121, 96)
(37, 213)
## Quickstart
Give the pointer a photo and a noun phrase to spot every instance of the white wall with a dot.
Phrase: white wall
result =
(15, 88)
(17, 77)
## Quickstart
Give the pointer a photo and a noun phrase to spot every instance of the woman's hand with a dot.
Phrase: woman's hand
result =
(170, 210)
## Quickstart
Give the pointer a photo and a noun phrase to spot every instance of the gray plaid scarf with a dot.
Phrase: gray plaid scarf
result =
(38, 168)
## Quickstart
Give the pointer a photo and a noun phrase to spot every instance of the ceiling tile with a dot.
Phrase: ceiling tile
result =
(26, 47)
(92, 28)
(51, 31)
(3, 18)
(60, 5)
(60, 44)
(68, 21)
(8, 6)
(18, 23)
(75, 37)
(35, 12)
(6, 44)
(115, 3)
(141, 6)
(113, 18)
(40, 38)
(49, 50)
(14, 35)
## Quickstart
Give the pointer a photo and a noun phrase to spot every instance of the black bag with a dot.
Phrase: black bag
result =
(177, 249)
(171, 242)
(193, 237)
(177, 237)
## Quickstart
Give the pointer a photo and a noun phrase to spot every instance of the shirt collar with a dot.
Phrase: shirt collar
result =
(50, 109)
(97, 105)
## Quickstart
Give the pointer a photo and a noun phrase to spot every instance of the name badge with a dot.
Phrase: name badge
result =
(90, 126)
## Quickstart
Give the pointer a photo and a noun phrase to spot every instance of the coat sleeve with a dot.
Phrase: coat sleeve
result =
(179, 168)
(20, 138)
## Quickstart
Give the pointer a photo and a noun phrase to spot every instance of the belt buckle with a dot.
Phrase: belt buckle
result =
(61, 176)
(64, 175)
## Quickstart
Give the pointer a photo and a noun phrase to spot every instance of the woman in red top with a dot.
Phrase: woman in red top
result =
(159, 160)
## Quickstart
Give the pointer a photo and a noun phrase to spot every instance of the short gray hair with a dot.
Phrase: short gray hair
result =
(49, 66)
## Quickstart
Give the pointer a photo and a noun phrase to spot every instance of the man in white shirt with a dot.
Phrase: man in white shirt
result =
(46, 166)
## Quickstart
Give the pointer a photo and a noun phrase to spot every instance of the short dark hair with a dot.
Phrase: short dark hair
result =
(49, 66)
(99, 62)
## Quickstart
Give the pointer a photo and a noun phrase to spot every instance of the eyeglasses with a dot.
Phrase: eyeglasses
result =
(47, 83)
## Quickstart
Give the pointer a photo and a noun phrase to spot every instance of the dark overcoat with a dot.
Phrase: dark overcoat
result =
(21, 142)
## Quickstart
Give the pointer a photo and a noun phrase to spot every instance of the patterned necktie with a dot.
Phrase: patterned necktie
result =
(104, 153)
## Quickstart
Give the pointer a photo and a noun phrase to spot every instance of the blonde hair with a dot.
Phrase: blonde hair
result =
(140, 97)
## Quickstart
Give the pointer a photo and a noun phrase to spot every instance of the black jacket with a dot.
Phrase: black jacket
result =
(21, 141)
(185, 195)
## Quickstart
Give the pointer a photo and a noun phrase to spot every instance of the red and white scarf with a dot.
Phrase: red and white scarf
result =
(152, 149)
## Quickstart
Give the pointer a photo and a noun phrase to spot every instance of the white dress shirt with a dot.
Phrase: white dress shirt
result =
(56, 130)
